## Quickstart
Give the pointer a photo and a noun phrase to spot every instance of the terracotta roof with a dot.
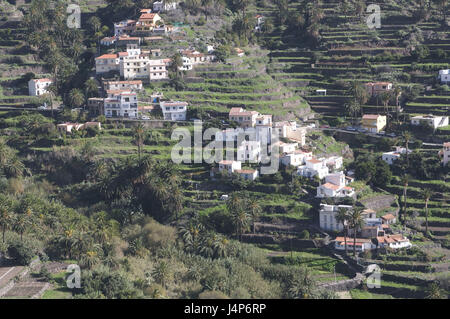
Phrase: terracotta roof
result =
(42, 80)
(124, 82)
(388, 217)
(447, 144)
(107, 56)
(358, 240)
(314, 160)
(145, 16)
(225, 162)
(331, 186)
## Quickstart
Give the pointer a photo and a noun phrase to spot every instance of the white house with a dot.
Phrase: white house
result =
(122, 104)
(334, 162)
(124, 27)
(248, 174)
(295, 158)
(259, 22)
(287, 147)
(390, 157)
(327, 217)
(174, 110)
(108, 41)
(37, 87)
(362, 244)
(334, 191)
(158, 70)
(291, 130)
(249, 151)
(164, 6)
(431, 120)
(396, 241)
(444, 76)
(244, 118)
(229, 166)
(133, 85)
(312, 168)
(336, 179)
(229, 135)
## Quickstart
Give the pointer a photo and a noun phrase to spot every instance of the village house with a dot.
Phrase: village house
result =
(313, 167)
(389, 219)
(375, 88)
(396, 241)
(68, 127)
(37, 87)
(263, 127)
(244, 118)
(430, 120)
(126, 40)
(248, 174)
(295, 158)
(259, 22)
(329, 190)
(174, 110)
(334, 162)
(96, 106)
(391, 157)
(122, 104)
(135, 85)
(156, 52)
(362, 244)
(108, 41)
(158, 70)
(249, 151)
(124, 27)
(327, 217)
(291, 131)
(192, 57)
(229, 166)
(287, 147)
(373, 123)
(107, 63)
(164, 6)
(229, 135)
(147, 22)
(444, 76)
(240, 53)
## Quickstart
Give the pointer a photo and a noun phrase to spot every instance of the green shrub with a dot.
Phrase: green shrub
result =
(21, 253)
(304, 234)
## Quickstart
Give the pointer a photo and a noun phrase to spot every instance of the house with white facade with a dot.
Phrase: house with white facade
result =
(37, 87)
(122, 104)
(164, 6)
(396, 241)
(295, 158)
(174, 110)
(334, 162)
(229, 166)
(158, 70)
(249, 151)
(244, 118)
(248, 174)
(391, 157)
(107, 63)
(327, 217)
(444, 76)
(290, 129)
(132, 85)
(124, 27)
(313, 167)
(334, 191)
(431, 120)
(362, 244)
(192, 57)
(108, 41)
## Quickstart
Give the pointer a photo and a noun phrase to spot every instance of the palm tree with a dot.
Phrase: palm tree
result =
(240, 221)
(138, 134)
(161, 273)
(356, 222)
(404, 181)
(76, 98)
(90, 88)
(343, 217)
(427, 193)
(20, 224)
(407, 138)
(5, 221)
(397, 92)
(254, 210)
(385, 98)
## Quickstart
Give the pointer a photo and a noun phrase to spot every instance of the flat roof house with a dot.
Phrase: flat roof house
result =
(375, 88)
(174, 110)
(431, 120)
(248, 174)
(444, 76)
(391, 157)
